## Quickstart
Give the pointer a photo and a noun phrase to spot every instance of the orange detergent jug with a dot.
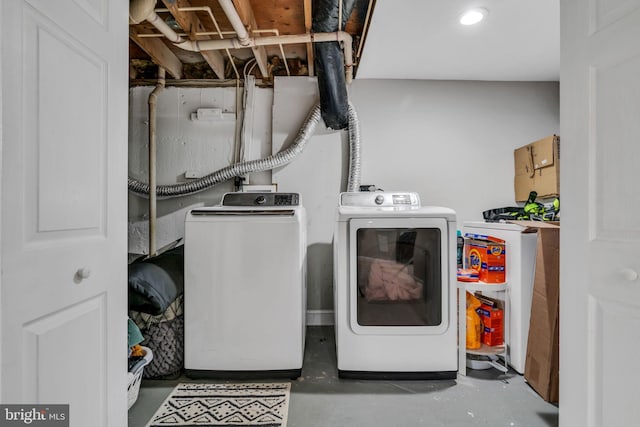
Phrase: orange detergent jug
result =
(474, 323)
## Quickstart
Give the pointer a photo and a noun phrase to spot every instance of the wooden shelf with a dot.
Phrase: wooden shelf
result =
(486, 350)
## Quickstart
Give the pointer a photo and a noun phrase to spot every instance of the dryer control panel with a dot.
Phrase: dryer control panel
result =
(261, 199)
(380, 199)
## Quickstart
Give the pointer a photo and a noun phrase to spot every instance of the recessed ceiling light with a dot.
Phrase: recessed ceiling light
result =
(473, 16)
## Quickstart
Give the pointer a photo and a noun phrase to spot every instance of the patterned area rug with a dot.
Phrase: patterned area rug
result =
(262, 404)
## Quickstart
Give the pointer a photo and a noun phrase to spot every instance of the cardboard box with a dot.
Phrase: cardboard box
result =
(542, 361)
(486, 255)
(537, 168)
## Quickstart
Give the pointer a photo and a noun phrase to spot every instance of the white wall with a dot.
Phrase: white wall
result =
(318, 174)
(186, 145)
(452, 142)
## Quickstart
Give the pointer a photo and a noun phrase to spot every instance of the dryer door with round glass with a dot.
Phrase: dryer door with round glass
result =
(398, 278)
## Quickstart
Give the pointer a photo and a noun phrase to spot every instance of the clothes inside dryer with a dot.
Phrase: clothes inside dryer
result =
(399, 277)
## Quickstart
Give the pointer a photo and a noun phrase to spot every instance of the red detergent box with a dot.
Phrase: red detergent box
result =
(487, 255)
(492, 321)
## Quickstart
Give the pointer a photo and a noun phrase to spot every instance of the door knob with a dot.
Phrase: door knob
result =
(83, 273)
(629, 274)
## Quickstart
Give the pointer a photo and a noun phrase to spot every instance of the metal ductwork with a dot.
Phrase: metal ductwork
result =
(276, 160)
(334, 108)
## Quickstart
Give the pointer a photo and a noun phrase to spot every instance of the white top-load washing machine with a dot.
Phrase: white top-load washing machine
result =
(245, 287)
(395, 287)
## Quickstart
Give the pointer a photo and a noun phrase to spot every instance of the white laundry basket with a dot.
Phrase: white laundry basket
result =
(135, 377)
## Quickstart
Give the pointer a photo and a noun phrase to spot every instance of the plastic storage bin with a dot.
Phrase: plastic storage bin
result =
(135, 376)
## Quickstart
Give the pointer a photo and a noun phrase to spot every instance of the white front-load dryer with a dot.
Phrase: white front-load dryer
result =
(395, 287)
(245, 287)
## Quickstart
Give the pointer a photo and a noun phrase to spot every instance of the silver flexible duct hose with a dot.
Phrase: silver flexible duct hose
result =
(279, 159)
(354, 150)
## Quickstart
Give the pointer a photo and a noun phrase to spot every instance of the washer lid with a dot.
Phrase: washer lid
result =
(376, 199)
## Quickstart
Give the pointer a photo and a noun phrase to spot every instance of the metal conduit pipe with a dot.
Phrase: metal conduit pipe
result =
(277, 160)
(153, 99)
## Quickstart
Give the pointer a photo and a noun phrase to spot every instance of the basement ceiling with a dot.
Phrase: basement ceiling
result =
(409, 39)
(206, 20)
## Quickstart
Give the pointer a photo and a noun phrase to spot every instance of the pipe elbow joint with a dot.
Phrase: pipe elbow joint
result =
(240, 43)
(244, 42)
(190, 45)
(140, 10)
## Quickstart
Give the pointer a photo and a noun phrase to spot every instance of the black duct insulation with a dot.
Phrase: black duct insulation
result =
(329, 62)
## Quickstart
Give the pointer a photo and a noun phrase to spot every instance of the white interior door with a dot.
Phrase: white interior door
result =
(600, 233)
(64, 135)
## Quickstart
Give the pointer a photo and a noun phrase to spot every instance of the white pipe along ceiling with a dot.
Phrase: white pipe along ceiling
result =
(141, 10)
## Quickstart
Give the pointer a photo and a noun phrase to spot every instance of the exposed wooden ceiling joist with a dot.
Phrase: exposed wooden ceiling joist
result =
(158, 51)
(205, 20)
(308, 23)
(245, 11)
(190, 23)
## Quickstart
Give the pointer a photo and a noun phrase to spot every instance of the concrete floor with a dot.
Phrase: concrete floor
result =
(319, 398)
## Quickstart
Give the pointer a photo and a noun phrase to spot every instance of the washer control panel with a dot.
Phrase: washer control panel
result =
(261, 199)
